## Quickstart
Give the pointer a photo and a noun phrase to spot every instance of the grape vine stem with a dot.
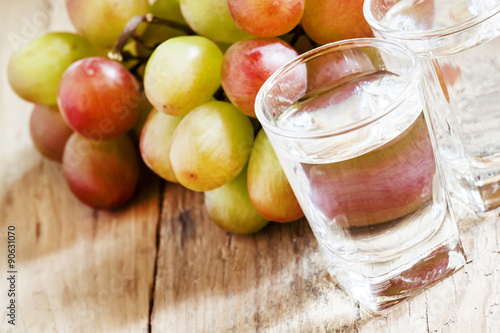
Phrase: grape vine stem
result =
(130, 31)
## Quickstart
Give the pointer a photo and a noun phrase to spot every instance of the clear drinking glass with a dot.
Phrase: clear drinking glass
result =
(458, 44)
(347, 122)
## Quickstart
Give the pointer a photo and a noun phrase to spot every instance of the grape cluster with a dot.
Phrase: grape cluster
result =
(178, 79)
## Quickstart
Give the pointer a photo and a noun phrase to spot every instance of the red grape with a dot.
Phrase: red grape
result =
(325, 70)
(99, 98)
(49, 131)
(102, 174)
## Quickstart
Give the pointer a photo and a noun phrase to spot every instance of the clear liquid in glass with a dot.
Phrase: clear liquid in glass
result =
(462, 82)
(372, 195)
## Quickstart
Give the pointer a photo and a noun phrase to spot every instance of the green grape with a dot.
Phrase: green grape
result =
(101, 21)
(144, 111)
(229, 206)
(169, 9)
(210, 146)
(182, 73)
(211, 18)
(35, 69)
(268, 186)
(155, 142)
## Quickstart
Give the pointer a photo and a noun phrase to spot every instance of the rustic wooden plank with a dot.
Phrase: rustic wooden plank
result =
(78, 270)
(274, 281)
(87, 271)
(212, 281)
(468, 301)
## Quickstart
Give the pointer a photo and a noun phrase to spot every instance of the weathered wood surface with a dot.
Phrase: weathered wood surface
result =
(79, 270)
(161, 265)
(208, 280)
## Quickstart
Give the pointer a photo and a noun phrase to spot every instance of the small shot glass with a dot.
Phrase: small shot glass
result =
(457, 42)
(348, 122)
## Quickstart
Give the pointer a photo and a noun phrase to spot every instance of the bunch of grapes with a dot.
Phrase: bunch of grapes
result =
(180, 78)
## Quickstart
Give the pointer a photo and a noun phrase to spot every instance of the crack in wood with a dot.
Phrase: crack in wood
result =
(187, 226)
(496, 234)
(95, 221)
(38, 229)
(427, 314)
(358, 312)
(157, 250)
(455, 294)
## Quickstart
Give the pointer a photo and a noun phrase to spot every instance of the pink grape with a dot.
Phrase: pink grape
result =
(266, 18)
(248, 64)
(327, 21)
(49, 131)
(325, 70)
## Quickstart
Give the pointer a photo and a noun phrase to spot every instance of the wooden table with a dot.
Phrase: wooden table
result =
(160, 265)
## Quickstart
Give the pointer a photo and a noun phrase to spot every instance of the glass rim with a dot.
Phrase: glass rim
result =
(431, 33)
(414, 81)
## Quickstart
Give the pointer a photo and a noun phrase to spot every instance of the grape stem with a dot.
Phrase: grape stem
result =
(220, 95)
(296, 33)
(135, 36)
(130, 31)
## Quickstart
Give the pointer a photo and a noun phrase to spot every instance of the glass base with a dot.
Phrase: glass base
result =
(379, 285)
(482, 198)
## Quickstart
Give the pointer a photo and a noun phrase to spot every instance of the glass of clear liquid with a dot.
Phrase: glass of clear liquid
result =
(458, 42)
(348, 123)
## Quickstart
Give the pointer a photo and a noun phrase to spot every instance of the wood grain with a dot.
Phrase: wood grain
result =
(209, 280)
(160, 265)
(274, 281)
(78, 266)
(79, 270)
